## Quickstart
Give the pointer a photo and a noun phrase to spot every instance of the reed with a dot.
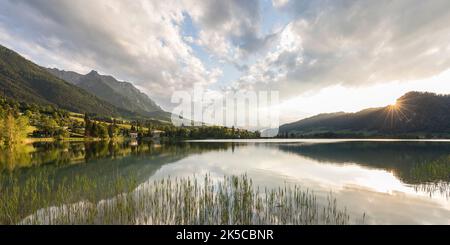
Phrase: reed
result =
(233, 200)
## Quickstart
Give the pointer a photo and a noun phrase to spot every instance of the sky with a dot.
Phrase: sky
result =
(320, 55)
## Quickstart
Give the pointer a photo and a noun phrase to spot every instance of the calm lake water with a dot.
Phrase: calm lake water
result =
(386, 181)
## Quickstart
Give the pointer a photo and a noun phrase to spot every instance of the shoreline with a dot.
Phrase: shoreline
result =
(256, 140)
(307, 140)
(36, 140)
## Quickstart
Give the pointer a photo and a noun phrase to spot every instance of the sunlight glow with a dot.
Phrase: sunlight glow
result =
(394, 104)
(338, 98)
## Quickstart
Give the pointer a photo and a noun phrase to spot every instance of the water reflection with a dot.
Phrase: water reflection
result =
(100, 162)
(362, 187)
(412, 162)
(392, 182)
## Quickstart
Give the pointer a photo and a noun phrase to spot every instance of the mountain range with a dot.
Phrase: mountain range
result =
(120, 94)
(25, 81)
(415, 113)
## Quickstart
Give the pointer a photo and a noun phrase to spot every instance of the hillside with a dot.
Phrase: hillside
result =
(415, 113)
(120, 94)
(22, 80)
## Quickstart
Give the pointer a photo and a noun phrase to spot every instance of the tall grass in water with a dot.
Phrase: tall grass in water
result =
(20, 197)
(434, 189)
(231, 200)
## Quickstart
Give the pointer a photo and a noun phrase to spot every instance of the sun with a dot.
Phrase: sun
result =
(394, 104)
(397, 111)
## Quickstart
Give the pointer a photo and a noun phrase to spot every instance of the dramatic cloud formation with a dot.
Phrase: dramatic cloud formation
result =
(297, 47)
(137, 40)
(355, 43)
(140, 40)
(226, 25)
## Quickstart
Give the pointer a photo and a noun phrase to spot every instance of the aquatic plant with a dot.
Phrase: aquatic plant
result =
(434, 189)
(180, 201)
(431, 171)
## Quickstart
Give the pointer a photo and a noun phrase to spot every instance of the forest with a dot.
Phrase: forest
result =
(21, 121)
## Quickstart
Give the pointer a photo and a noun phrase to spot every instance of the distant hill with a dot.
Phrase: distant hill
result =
(22, 80)
(120, 94)
(415, 113)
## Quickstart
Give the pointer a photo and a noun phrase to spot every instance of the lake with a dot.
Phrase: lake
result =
(375, 181)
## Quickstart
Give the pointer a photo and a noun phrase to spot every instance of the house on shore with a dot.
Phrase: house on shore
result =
(154, 134)
(157, 133)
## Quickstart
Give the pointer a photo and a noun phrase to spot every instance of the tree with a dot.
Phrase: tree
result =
(111, 131)
(61, 133)
(13, 129)
(138, 126)
(87, 126)
(102, 131)
(47, 126)
(94, 130)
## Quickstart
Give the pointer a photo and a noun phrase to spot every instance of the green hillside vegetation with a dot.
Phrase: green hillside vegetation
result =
(25, 81)
(20, 120)
(35, 121)
(415, 115)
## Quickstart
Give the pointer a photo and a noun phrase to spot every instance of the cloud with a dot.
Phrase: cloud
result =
(141, 41)
(279, 3)
(354, 43)
(133, 40)
(230, 29)
(324, 43)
